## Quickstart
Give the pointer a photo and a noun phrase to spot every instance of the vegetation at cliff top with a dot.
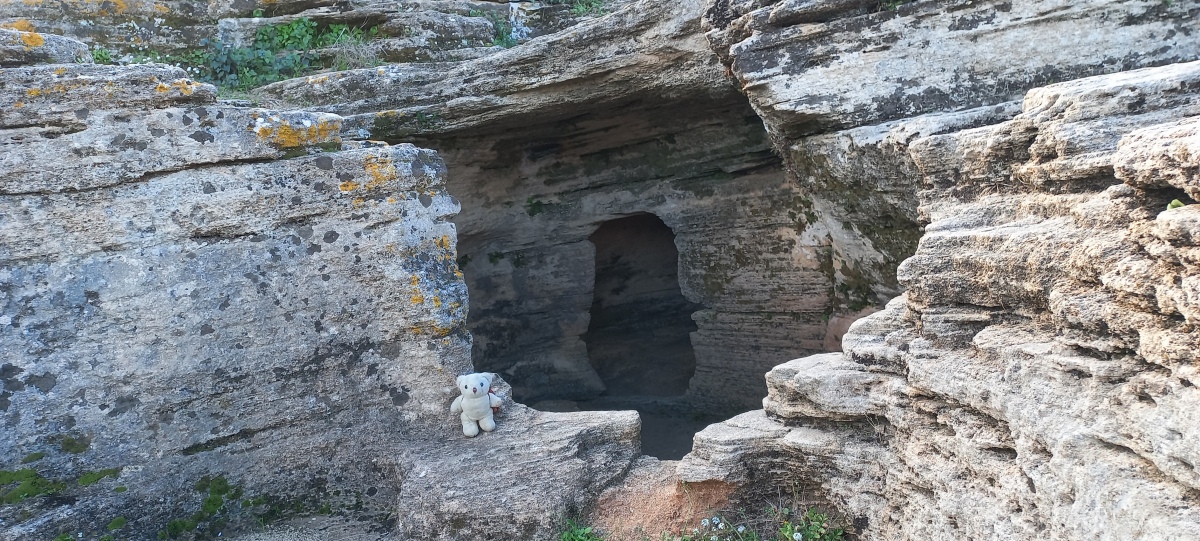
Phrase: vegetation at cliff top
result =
(279, 51)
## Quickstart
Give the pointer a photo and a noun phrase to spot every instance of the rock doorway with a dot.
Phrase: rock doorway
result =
(639, 335)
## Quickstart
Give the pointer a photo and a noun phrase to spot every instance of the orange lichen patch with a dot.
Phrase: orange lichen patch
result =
(33, 92)
(391, 200)
(184, 86)
(60, 71)
(359, 202)
(20, 24)
(417, 299)
(381, 169)
(348, 186)
(32, 2)
(32, 39)
(287, 136)
(415, 281)
(437, 302)
(443, 242)
(18, 105)
(161, 8)
(316, 80)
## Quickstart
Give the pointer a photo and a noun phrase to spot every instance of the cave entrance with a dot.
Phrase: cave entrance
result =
(639, 336)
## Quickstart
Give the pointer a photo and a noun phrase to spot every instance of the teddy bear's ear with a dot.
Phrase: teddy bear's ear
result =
(459, 380)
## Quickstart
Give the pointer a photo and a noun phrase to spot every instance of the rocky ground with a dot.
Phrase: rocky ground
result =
(217, 314)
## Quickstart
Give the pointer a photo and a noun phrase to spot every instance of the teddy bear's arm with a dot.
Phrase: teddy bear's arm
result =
(456, 406)
(493, 400)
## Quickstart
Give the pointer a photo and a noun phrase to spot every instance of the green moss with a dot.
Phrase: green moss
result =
(212, 504)
(33, 457)
(120, 489)
(28, 485)
(116, 523)
(177, 527)
(63, 537)
(74, 445)
(91, 478)
(533, 207)
(495, 257)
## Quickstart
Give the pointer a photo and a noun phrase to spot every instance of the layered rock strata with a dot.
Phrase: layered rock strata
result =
(214, 316)
(622, 115)
(1038, 379)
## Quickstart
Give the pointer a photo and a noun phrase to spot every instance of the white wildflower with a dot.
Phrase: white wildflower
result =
(741, 529)
(798, 536)
(704, 523)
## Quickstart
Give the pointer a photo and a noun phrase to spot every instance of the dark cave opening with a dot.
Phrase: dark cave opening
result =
(639, 337)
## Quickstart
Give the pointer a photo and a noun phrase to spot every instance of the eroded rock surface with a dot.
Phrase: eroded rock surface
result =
(1038, 379)
(213, 315)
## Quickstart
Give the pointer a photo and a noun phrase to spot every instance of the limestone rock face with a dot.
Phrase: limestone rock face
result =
(845, 86)
(214, 315)
(617, 116)
(1037, 380)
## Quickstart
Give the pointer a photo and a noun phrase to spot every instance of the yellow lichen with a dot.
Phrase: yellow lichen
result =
(161, 8)
(391, 200)
(32, 39)
(348, 186)
(20, 24)
(437, 302)
(415, 281)
(60, 71)
(18, 105)
(184, 86)
(34, 92)
(417, 299)
(381, 169)
(287, 136)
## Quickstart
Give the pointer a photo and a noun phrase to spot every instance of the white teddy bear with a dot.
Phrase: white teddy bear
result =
(477, 404)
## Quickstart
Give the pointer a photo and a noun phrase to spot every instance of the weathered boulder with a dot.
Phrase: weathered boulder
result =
(19, 47)
(215, 316)
(1037, 379)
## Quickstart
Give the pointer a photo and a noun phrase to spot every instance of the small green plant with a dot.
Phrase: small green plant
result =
(63, 537)
(495, 257)
(578, 532)
(116, 523)
(257, 14)
(812, 526)
(533, 207)
(33, 457)
(584, 7)
(1174, 204)
(100, 55)
(502, 35)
